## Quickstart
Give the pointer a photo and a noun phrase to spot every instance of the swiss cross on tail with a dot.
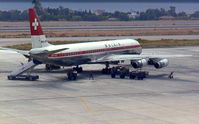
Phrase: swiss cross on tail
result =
(35, 26)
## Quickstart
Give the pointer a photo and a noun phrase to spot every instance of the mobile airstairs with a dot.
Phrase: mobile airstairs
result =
(18, 73)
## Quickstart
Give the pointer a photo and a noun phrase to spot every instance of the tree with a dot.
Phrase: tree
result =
(195, 15)
(151, 14)
(122, 16)
(38, 6)
(182, 15)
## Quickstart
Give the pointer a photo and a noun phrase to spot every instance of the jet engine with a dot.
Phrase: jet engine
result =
(161, 63)
(138, 63)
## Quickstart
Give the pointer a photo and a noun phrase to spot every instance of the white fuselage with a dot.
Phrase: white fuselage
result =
(90, 51)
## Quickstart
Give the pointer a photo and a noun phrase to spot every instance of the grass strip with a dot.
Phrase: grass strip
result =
(144, 43)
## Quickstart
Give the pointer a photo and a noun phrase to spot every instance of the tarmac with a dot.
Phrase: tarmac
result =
(54, 100)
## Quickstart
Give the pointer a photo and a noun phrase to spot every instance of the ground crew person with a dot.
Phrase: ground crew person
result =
(171, 75)
(91, 76)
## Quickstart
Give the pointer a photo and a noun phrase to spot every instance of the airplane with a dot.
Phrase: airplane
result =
(99, 52)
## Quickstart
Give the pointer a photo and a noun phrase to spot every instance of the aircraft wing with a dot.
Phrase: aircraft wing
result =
(121, 57)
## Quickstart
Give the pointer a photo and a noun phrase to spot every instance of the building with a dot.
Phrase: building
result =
(99, 12)
(167, 18)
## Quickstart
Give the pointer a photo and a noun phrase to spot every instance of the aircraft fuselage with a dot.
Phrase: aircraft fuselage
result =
(82, 53)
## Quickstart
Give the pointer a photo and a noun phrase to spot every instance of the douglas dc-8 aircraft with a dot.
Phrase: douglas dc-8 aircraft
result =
(103, 52)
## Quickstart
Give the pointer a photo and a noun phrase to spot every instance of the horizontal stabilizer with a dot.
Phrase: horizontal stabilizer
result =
(23, 52)
(41, 51)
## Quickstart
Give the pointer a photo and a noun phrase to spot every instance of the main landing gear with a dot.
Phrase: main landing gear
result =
(50, 67)
(72, 75)
(106, 70)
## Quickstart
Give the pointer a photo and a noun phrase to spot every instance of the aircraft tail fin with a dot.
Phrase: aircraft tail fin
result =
(38, 38)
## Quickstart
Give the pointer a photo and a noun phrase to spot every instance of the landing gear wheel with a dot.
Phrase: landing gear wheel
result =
(106, 71)
(113, 75)
(50, 67)
(80, 69)
(132, 76)
(113, 72)
(122, 76)
(30, 78)
(72, 76)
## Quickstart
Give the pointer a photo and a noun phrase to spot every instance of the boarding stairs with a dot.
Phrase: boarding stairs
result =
(17, 74)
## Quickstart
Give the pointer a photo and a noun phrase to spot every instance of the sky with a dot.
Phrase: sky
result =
(104, 0)
(186, 6)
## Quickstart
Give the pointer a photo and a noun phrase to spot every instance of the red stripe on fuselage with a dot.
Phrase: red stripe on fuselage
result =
(69, 54)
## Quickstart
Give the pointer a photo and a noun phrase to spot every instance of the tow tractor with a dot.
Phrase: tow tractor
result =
(72, 74)
(122, 72)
